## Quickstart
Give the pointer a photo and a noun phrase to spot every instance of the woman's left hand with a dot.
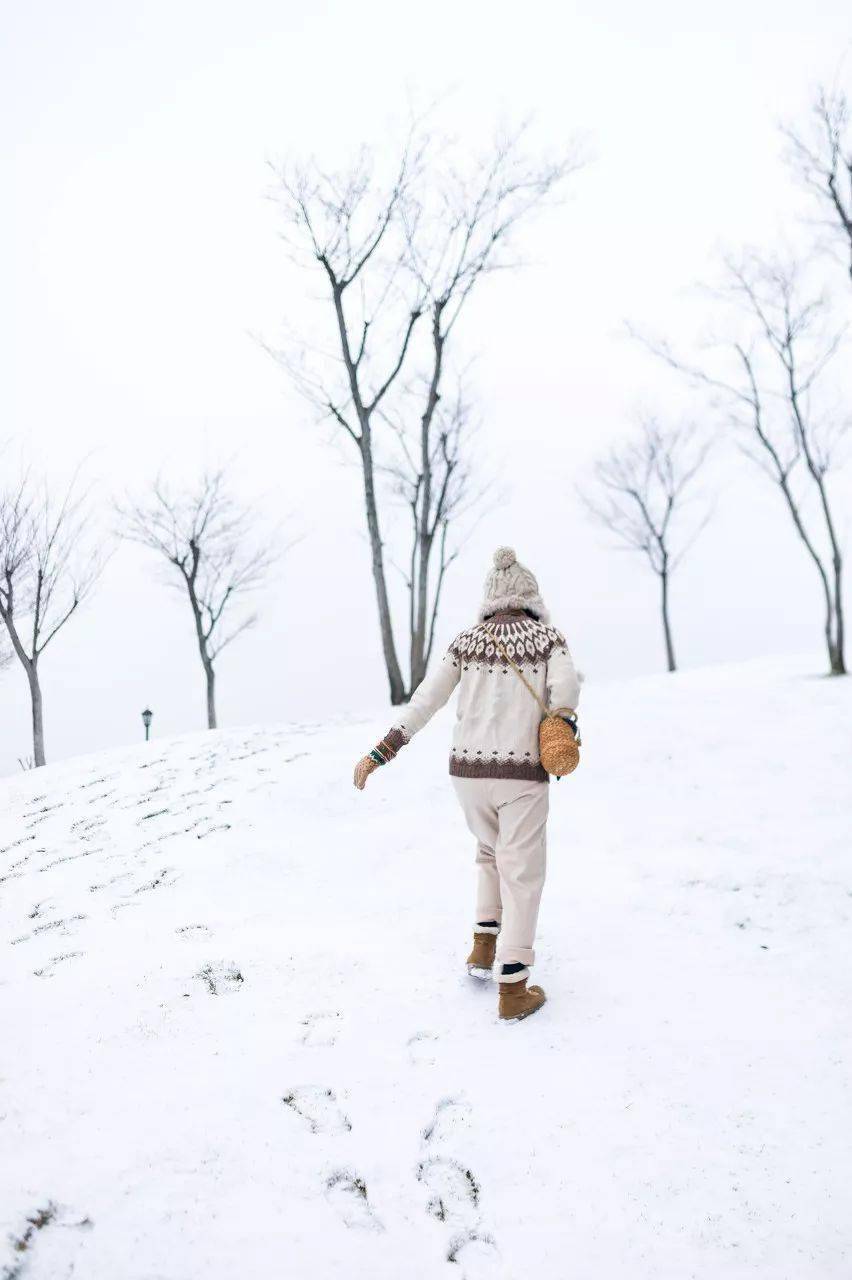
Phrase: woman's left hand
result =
(363, 769)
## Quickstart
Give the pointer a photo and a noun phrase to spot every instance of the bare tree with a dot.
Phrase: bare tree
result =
(47, 568)
(445, 473)
(822, 155)
(399, 261)
(641, 494)
(770, 397)
(207, 537)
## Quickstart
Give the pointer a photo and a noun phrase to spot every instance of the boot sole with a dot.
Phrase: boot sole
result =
(482, 975)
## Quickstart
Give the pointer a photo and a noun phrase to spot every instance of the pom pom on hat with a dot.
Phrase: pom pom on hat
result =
(504, 558)
(511, 586)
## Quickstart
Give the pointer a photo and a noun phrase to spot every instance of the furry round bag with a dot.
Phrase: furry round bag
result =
(558, 734)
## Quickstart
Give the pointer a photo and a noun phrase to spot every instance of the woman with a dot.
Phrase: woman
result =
(495, 766)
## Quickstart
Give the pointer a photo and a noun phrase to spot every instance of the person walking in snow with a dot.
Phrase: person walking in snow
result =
(495, 766)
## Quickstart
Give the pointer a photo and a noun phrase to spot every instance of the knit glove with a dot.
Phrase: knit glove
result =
(363, 769)
(382, 753)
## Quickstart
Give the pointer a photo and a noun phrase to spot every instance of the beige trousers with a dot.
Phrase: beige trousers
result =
(509, 820)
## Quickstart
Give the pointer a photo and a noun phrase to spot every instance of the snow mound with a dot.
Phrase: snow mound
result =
(238, 1039)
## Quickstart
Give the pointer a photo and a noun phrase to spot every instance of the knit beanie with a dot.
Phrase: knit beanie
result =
(510, 585)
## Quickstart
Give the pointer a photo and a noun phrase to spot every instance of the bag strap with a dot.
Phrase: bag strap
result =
(518, 672)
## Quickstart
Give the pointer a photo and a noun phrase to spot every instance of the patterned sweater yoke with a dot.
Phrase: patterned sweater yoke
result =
(497, 720)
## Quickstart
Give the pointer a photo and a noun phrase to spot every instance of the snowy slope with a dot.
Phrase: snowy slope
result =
(238, 1040)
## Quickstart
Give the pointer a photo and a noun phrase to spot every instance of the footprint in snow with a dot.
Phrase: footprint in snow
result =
(121, 875)
(15, 843)
(64, 925)
(25, 1242)
(347, 1195)
(220, 977)
(452, 1189)
(97, 782)
(320, 1029)
(475, 1253)
(449, 1116)
(161, 878)
(454, 1192)
(318, 1108)
(121, 906)
(50, 968)
(421, 1049)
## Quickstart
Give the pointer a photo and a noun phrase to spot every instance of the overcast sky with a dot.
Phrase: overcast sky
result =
(141, 258)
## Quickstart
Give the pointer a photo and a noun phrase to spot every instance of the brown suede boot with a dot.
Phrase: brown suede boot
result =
(480, 962)
(517, 1000)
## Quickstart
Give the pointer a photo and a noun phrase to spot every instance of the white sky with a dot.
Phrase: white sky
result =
(139, 255)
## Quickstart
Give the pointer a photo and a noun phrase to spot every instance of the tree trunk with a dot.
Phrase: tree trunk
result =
(421, 612)
(395, 682)
(834, 621)
(30, 665)
(38, 715)
(833, 625)
(837, 657)
(424, 552)
(421, 599)
(425, 532)
(211, 695)
(667, 630)
(418, 660)
(203, 638)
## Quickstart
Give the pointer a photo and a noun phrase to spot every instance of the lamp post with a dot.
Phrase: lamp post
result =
(147, 716)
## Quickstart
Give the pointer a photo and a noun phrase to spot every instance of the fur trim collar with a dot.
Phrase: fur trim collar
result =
(500, 604)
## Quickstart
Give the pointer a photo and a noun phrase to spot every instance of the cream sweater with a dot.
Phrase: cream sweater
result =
(497, 719)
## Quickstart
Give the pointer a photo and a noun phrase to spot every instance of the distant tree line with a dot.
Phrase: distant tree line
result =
(51, 560)
(766, 386)
(397, 256)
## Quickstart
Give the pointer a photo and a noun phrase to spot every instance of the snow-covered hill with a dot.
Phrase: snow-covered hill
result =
(238, 1040)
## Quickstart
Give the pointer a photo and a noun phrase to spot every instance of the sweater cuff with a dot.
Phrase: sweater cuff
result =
(390, 744)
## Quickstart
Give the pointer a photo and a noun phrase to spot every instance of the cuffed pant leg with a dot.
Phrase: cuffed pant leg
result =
(521, 857)
(480, 814)
(488, 902)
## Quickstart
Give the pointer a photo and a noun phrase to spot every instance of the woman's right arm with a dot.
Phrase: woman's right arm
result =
(563, 682)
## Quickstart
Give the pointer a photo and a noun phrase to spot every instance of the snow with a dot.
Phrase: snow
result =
(238, 1038)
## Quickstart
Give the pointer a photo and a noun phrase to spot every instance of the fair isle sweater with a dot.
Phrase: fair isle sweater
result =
(497, 719)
